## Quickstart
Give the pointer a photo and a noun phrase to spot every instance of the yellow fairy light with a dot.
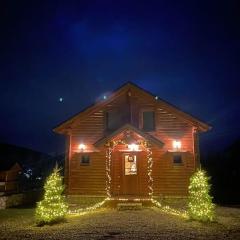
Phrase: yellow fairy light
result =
(83, 211)
(149, 167)
(169, 210)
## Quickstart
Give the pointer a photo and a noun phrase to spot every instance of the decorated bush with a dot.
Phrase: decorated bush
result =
(200, 206)
(53, 207)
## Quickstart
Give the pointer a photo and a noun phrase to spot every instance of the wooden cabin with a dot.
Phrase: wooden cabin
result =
(131, 143)
(9, 172)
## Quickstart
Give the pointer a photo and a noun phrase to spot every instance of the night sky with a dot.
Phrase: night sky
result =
(186, 53)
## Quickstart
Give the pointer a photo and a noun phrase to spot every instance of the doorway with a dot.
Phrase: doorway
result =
(130, 174)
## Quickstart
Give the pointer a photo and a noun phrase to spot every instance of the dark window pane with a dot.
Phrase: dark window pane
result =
(177, 159)
(149, 121)
(85, 160)
(113, 119)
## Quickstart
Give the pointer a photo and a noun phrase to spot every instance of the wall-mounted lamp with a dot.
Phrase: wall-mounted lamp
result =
(81, 147)
(133, 147)
(177, 145)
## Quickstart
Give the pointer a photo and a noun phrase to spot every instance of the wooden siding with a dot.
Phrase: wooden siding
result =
(9, 179)
(169, 179)
(87, 179)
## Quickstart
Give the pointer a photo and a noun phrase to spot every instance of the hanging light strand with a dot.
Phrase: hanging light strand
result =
(108, 170)
(149, 169)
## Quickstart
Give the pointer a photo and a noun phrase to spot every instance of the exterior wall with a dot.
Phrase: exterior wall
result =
(169, 179)
(9, 179)
(87, 179)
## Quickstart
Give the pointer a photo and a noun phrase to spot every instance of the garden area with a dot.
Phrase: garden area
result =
(106, 223)
(94, 218)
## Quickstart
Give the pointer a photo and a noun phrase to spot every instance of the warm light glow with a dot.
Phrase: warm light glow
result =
(133, 147)
(169, 210)
(177, 144)
(83, 211)
(82, 147)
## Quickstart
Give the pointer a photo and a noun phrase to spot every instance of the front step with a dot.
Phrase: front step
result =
(129, 206)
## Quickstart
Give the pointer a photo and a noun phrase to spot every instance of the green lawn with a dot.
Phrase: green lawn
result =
(149, 223)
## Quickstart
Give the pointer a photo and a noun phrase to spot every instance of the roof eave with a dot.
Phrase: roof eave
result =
(104, 140)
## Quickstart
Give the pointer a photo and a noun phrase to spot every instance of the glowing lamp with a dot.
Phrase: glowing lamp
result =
(133, 147)
(81, 147)
(177, 145)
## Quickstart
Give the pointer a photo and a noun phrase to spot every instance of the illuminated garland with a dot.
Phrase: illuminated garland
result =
(169, 210)
(149, 168)
(166, 209)
(110, 146)
(83, 211)
(108, 170)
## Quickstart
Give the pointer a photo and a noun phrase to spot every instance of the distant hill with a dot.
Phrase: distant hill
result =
(24, 156)
(36, 166)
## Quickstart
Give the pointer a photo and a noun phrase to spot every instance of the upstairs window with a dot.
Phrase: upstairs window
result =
(148, 119)
(113, 119)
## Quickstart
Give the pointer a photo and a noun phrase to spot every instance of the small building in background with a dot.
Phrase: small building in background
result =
(9, 172)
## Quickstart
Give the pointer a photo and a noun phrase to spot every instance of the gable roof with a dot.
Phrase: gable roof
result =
(134, 129)
(6, 165)
(123, 89)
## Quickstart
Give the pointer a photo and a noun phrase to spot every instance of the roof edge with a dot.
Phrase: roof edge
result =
(130, 127)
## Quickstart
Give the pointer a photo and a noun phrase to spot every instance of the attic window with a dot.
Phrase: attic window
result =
(113, 119)
(148, 119)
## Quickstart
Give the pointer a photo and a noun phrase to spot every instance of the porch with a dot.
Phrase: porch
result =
(129, 163)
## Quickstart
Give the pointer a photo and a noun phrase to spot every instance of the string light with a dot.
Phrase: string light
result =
(83, 211)
(108, 170)
(169, 210)
(149, 168)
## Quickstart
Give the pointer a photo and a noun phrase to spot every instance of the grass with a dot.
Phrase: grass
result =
(149, 223)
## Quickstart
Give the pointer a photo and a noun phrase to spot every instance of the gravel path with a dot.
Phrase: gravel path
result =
(148, 223)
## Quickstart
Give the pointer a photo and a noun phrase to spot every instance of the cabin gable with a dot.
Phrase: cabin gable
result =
(167, 125)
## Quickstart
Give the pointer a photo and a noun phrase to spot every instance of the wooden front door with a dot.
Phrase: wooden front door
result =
(130, 174)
